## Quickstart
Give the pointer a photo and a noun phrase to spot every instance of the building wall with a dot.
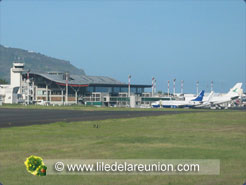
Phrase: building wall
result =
(16, 74)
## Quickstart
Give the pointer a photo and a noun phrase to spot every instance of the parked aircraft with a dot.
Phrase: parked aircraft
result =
(179, 103)
(218, 101)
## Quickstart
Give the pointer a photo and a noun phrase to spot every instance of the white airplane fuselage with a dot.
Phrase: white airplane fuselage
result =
(223, 99)
(179, 103)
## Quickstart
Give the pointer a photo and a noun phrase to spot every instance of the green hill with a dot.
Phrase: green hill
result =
(33, 61)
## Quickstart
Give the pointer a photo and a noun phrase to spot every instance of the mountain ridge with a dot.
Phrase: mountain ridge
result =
(33, 61)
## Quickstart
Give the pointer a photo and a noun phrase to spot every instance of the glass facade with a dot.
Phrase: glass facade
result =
(124, 89)
(91, 89)
(103, 89)
(116, 89)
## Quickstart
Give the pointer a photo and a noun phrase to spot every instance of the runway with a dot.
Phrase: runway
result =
(24, 117)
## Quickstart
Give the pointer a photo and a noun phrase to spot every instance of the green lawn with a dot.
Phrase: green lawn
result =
(206, 135)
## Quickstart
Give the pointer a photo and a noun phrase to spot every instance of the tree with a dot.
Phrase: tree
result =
(2, 81)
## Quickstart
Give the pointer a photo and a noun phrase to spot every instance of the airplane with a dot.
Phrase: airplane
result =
(218, 101)
(179, 103)
(206, 103)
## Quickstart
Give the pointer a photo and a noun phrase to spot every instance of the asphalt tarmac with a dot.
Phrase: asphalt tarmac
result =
(24, 117)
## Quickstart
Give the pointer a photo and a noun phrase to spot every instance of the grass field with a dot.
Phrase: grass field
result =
(205, 135)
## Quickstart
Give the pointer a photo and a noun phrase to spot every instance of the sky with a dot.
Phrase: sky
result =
(190, 40)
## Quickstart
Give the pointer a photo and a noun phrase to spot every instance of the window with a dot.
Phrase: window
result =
(56, 92)
(19, 67)
(39, 92)
(124, 89)
(103, 89)
(116, 89)
(133, 89)
(90, 89)
(41, 86)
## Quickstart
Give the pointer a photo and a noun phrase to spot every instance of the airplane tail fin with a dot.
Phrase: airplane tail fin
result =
(210, 96)
(235, 90)
(199, 97)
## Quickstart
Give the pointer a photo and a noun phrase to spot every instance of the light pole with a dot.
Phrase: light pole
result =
(174, 80)
(153, 80)
(182, 86)
(66, 100)
(168, 87)
(129, 85)
(155, 86)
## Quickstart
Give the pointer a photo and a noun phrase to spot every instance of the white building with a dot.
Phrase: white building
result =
(11, 93)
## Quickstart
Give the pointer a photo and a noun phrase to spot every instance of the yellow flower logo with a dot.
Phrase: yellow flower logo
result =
(35, 166)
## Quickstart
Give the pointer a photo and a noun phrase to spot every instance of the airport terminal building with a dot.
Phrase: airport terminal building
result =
(59, 88)
(64, 88)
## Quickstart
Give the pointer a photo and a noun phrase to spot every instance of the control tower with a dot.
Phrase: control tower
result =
(16, 74)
